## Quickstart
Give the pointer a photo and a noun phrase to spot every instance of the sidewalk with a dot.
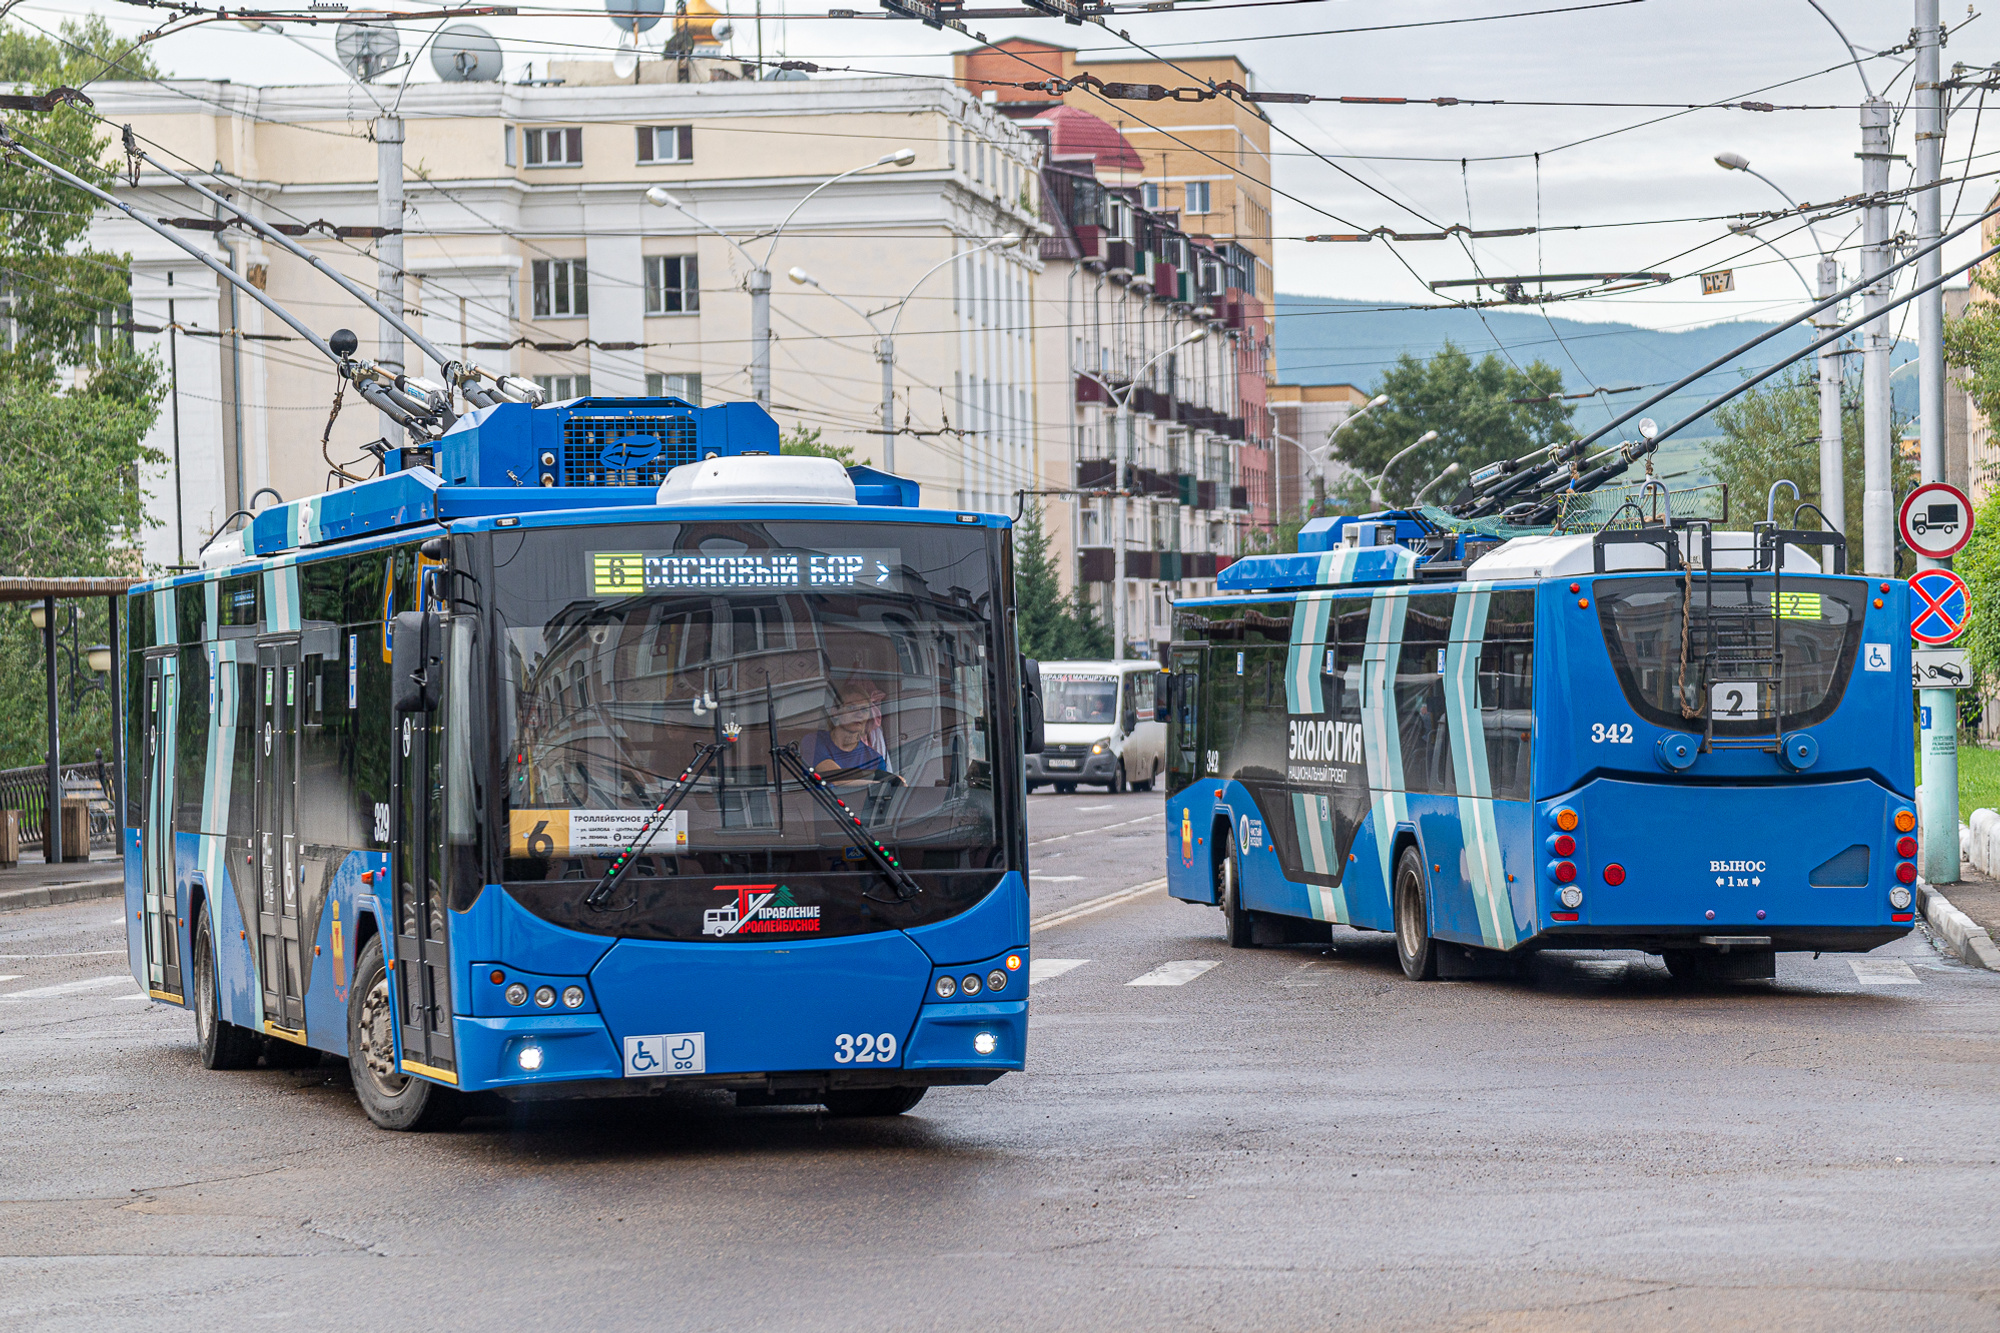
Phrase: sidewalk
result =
(37, 884)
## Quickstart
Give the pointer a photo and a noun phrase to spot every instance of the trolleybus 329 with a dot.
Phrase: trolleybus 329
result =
(691, 764)
(1670, 739)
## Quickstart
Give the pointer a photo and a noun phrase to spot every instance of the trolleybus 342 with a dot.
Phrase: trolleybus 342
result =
(1665, 738)
(691, 764)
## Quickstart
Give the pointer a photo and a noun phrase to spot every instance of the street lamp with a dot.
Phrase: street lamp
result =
(759, 279)
(1450, 470)
(885, 343)
(1832, 482)
(97, 656)
(1121, 428)
(1314, 456)
(1375, 486)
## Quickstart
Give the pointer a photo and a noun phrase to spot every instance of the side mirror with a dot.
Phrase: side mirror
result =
(1162, 695)
(416, 638)
(1034, 731)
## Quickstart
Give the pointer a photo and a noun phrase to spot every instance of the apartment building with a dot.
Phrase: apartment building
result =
(1303, 418)
(531, 249)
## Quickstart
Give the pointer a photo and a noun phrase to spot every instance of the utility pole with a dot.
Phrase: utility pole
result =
(760, 336)
(1121, 429)
(389, 254)
(1939, 708)
(1878, 501)
(885, 352)
(1832, 434)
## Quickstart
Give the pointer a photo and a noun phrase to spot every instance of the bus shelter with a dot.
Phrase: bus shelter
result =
(49, 593)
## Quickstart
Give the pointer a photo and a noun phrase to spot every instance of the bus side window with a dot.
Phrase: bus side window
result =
(1506, 692)
(1421, 718)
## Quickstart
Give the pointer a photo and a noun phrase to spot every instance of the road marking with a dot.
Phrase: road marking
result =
(68, 988)
(1173, 974)
(1883, 972)
(1048, 969)
(1056, 879)
(1082, 832)
(15, 977)
(1089, 809)
(86, 953)
(1095, 905)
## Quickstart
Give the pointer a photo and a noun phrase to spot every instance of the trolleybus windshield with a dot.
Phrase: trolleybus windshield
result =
(866, 650)
(1730, 657)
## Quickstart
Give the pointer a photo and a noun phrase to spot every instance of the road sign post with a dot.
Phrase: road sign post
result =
(1940, 605)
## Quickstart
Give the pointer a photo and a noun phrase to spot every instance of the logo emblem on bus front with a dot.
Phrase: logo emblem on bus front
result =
(634, 451)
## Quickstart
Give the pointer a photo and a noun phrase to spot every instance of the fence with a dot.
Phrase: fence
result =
(27, 790)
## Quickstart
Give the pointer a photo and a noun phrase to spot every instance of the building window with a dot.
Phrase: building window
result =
(666, 143)
(671, 286)
(507, 144)
(687, 388)
(561, 288)
(1197, 196)
(1149, 196)
(562, 388)
(554, 148)
(114, 328)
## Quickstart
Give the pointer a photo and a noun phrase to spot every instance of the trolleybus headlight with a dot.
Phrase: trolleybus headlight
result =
(517, 994)
(1906, 873)
(1899, 897)
(1572, 896)
(946, 988)
(1906, 846)
(1566, 820)
(573, 997)
(996, 980)
(970, 985)
(1906, 821)
(1562, 844)
(529, 1058)
(1562, 872)
(545, 996)
(985, 1043)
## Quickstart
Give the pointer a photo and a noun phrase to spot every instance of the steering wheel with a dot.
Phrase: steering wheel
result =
(865, 774)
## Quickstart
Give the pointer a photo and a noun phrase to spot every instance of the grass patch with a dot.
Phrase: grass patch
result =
(1978, 778)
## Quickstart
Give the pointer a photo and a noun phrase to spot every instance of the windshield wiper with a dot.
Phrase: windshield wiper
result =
(883, 859)
(704, 755)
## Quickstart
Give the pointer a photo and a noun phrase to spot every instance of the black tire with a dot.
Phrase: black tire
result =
(1065, 789)
(1414, 948)
(223, 1044)
(873, 1101)
(1229, 895)
(1683, 965)
(1151, 778)
(1118, 783)
(392, 1100)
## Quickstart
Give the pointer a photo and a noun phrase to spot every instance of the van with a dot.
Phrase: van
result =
(1107, 726)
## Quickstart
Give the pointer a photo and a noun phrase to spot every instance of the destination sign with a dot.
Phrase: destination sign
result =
(632, 573)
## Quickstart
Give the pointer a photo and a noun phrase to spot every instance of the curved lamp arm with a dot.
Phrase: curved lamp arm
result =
(659, 198)
(902, 157)
(999, 242)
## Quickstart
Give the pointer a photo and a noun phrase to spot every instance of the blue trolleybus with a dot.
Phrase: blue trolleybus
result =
(1663, 738)
(592, 750)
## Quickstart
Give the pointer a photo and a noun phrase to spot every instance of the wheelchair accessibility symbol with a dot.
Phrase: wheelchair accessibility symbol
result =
(666, 1055)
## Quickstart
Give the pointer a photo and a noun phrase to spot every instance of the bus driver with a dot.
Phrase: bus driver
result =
(843, 747)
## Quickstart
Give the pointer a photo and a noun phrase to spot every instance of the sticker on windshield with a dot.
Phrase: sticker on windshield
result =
(665, 1054)
(545, 833)
(1875, 656)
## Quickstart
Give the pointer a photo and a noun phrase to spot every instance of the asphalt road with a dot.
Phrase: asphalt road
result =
(1270, 1139)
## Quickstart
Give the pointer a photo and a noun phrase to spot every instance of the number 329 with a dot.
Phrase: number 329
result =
(1611, 733)
(863, 1048)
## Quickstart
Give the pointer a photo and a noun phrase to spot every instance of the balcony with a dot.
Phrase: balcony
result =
(1096, 474)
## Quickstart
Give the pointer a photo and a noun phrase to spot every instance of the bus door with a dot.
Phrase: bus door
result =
(1184, 756)
(280, 693)
(416, 850)
(159, 876)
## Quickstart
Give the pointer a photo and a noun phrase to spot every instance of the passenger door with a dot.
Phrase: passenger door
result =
(280, 953)
(423, 958)
(158, 875)
(1184, 728)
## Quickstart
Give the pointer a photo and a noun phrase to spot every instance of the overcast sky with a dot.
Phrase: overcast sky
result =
(1593, 169)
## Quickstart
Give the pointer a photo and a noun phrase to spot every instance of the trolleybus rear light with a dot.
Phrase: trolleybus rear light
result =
(498, 976)
(1899, 916)
(1013, 962)
(1906, 846)
(1906, 821)
(545, 997)
(1566, 820)
(1907, 873)
(1562, 844)
(1562, 872)
(1572, 896)
(1899, 897)
(1563, 916)
(996, 980)
(1614, 873)
(946, 988)
(517, 994)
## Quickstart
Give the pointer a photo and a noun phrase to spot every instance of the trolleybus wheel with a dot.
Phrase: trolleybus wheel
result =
(1065, 789)
(224, 1045)
(392, 1099)
(1414, 948)
(873, 1101)
(1229, 894)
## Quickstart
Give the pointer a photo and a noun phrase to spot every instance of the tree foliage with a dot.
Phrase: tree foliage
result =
(1972, 343)
(804, 440)
(1772, 432)
(1482, 411)
(1052, 627)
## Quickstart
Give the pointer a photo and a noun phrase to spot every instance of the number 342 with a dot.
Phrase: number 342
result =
(1611, 733)
(863, 1048)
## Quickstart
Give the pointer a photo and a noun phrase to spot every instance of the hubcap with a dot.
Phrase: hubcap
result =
(376, 1042)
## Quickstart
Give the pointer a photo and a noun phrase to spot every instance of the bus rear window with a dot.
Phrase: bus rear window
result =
(1733, 660)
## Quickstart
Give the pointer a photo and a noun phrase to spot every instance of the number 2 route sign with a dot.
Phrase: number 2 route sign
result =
(1939, 605)
(1936, 520)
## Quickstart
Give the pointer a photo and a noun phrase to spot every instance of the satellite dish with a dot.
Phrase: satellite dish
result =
(635, 16)
(465, 53)
(366, 49)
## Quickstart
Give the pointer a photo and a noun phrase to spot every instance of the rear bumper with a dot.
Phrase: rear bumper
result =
(1659, 939)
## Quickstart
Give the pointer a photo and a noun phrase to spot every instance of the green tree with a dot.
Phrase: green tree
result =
(1052, 627)
(802, 439)
(1772, 432)
(1482, 411)
(1979, 565)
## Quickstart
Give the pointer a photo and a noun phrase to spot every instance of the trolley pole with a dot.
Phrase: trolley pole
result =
(389, 254)
(1939, 709)
(1878, 501)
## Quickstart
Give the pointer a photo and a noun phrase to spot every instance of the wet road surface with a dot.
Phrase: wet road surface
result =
(1206, 1138)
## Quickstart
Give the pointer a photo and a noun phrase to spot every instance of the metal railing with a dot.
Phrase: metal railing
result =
(27, 790)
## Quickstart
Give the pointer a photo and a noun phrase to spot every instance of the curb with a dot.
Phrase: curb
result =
(65, 891)
(1966, 938)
